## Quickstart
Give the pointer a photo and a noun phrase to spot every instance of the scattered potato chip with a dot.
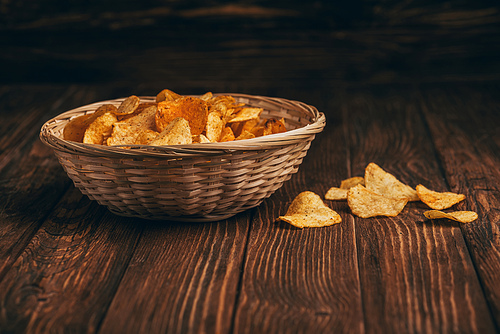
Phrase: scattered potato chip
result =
(145, 137)
(459, 216)
(308, 210)
(177, 132)
(128, 106)
(192, 109)
(167, 95)
(99, 129)
(383, 183)
(352, 182)
(214, 126)
(365, 203)
(227, 135)
(336, 194)
(438, 200)
(246, 114)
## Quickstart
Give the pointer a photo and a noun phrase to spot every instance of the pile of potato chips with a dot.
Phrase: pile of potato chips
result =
(378, 193)
(172, 119)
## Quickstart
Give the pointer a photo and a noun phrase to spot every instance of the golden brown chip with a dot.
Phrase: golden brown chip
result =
(99, 129)
(365, 203)
(192, 109)
(351, 182)
(145, 137)
(246, 114)
(273, 126)
(459, 216)
(245, 135)
(144, 120)
(177, 132)
(227, 135)
(122, 134)
(438, 200)
(200, 139)
(383, 183)
(335, 194)
(167, 95)
(207, 96)
(308, 210)
(128, 106)
(142, 106)
(214, 127)
(105, 108)
(75, 129)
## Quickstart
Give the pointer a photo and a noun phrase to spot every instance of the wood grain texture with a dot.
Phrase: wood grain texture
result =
(465, 126)
(183, 278)
(303, 280)
(66, 276)
(416, 275)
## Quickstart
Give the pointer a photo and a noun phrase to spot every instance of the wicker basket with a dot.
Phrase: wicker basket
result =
(196, 182)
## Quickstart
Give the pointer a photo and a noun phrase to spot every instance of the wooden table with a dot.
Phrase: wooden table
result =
(422, 103)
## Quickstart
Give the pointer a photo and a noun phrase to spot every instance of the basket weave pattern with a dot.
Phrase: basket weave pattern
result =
(196, 182)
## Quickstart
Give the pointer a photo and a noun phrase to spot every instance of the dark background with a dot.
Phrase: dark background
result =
(275, 48)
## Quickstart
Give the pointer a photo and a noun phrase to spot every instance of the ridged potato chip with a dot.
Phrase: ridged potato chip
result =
(227, 135)
(352, 182)
(365, 203)
(336, 194)
(308, 210)
(383, 183)
(177, 132)
(167, 95)
(438, 200)
(459, 216)
(192, 109)
(215, 124)
(145, 137)
(246, 114)
(128, 106)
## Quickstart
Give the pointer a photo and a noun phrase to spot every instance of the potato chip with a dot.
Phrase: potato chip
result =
(144, 120)
(200, 139)
(308, 210)
(246, 114)
(145, 137)
(192, 109)
(273, 126)
(167, 95)
(227, 134)
(438, 200)
(99, 129)
(177, 132)
(365, 203)
(142, 106)
(245, 135)
(459, 216)
(214, 126)
(122, 134)
(352, 182)
(336, 194)
(75, 129)
(383, 183)
(128, 106)
(207, 96)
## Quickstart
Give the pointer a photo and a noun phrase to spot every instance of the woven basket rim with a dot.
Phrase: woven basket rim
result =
(318, 122)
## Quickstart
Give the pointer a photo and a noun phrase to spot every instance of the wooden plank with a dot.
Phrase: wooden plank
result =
(306, 280)
(66, 277)
(416, 275)
(465, 126)
(183, 278)
(31, 180)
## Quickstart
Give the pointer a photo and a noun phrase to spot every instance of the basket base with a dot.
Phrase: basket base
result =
(184, 219)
